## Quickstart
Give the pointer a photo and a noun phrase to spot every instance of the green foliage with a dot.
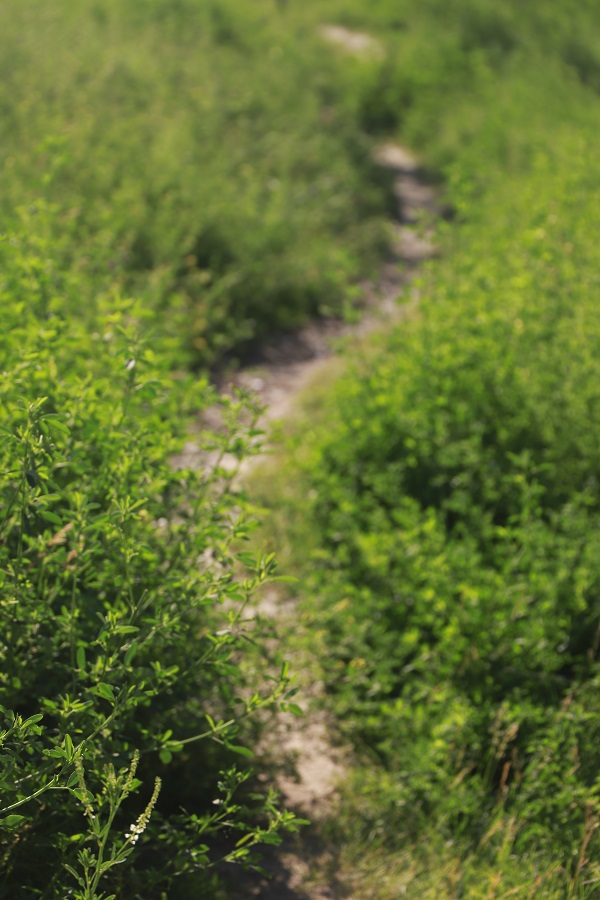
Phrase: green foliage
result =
(197, 158)
(123, 606)
(474, 82)
(452, 475)
(457, 510)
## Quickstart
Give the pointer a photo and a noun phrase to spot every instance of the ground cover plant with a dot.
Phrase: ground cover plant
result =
(197, 157)
(453, 494)
(127, 681)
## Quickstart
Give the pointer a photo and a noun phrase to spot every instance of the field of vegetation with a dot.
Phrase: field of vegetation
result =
(440, 503)
(453, 581)
(194, 154)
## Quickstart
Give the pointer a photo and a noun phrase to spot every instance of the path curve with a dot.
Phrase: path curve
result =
(288, 364)
(303, 751)
(285, 369)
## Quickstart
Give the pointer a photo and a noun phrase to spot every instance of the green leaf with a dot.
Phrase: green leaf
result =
(81, 658)
(32, 720)
(165, 756)
(69, 748)
(56, 424)
(50, 517)
(12, 821)
(243, 751)
(211, 722)
(104, 690)
(245, 839)
(247, 559)
(130, 653)
(55, 753)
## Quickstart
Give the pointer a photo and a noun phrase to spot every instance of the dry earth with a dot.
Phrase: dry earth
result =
(355, 42)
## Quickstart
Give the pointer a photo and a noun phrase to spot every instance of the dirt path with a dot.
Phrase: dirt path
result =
(306, 757)
(303, 752)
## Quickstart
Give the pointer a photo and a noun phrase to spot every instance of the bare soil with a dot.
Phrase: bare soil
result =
(355, 42)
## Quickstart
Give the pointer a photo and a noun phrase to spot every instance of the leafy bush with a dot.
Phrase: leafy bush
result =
(454, 517)
(123, 603)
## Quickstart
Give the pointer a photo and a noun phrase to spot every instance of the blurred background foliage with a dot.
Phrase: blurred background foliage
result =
(196, 157)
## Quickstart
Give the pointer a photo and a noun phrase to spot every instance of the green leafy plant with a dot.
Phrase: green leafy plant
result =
(450, 479)
(126, 646)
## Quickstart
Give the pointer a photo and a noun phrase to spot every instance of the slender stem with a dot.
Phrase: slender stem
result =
(46, 787)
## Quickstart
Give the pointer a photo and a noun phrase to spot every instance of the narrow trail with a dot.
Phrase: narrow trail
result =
(304, 753)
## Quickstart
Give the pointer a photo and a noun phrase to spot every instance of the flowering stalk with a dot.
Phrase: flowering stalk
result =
(141, 823)
(117, 786)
